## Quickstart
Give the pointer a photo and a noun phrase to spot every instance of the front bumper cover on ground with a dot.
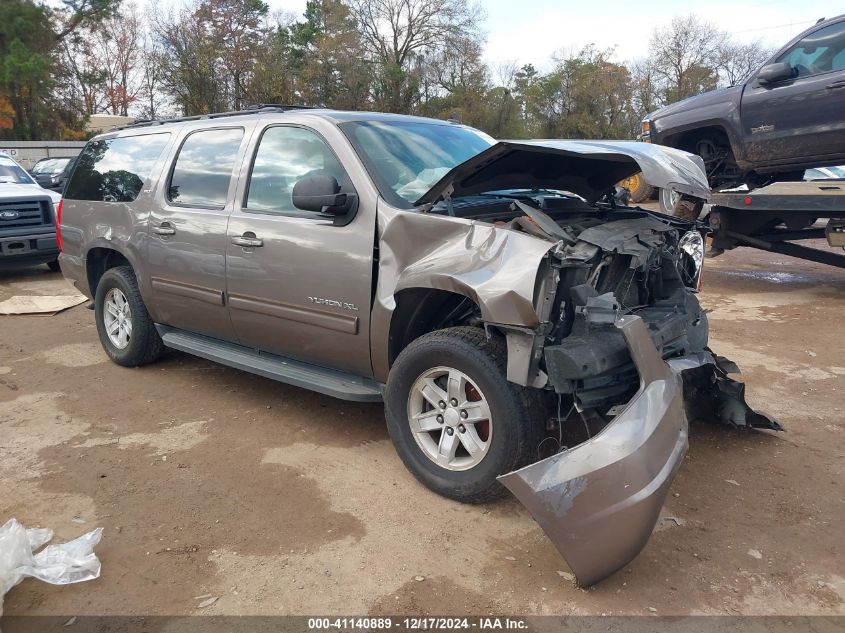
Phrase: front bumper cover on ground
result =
(599, 501)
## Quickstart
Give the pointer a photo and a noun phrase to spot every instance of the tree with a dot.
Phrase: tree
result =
(586, 95)
(685, 56)
(274, 78)
(646, 91)
(503, 112)
(99, 65)
(119, 42)
(192, 73)
(26, 43)
(455, 81)
(78, 14)
(31, 35)
(234, 28)
(395, 32)
(7, 114)
(330, 57)
(59, 65)
(208, 53)
(151, 78)
(735, 61)
(80, 76)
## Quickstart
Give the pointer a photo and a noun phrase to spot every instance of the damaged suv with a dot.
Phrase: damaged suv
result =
(524, 329)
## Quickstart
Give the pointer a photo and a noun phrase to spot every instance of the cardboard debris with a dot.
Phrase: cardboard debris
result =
(47, 305)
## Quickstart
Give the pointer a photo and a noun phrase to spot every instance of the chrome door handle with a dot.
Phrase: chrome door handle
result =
(836, 84)
(165, 228)
(247, 240)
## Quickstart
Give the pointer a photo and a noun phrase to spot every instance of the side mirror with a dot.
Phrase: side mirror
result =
(775, 72)
(320, 194)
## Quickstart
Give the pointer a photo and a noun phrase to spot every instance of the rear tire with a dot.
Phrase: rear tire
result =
(54, 266)
(116, 303)
(510, 433)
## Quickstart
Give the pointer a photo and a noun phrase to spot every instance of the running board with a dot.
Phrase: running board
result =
(330, 382)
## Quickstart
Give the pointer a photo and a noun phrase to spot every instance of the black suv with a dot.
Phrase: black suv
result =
(785, 117)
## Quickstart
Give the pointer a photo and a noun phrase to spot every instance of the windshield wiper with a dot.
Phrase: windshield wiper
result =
(517, 194)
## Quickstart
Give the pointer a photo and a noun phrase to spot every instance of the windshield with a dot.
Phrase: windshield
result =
(10, 171)
(406, 158)
(50, 166)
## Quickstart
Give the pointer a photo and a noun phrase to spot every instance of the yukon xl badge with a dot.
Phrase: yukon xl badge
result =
(9, 215)
(334, 303)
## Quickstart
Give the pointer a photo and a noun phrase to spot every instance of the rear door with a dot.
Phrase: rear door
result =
(187, 232)
(303, 289)
(803, 116)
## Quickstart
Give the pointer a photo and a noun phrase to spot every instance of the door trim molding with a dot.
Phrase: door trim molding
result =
(192, 291)
(347, 324)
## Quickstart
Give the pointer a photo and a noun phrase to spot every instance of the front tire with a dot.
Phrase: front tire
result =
(455, 420)
(719, 160)
(673, 203)
(127, 332)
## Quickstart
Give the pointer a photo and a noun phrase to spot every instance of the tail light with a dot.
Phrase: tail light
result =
(59, 223)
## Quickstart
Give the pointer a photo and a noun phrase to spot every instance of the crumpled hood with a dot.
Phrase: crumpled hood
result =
(586, 168)
(19, 190)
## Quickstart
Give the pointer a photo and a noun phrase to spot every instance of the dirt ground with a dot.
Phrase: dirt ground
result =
(213, 483)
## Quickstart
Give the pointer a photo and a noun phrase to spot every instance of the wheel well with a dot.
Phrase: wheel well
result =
(98, 261)
(687, 140)
(422, 310)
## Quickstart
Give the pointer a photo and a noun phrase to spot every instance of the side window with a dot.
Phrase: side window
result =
(284, 156)
(820, 52)
(203, 168)
(114, 169)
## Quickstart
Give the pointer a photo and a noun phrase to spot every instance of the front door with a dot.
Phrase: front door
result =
(187, 242)
(802, 116)
(299, 284)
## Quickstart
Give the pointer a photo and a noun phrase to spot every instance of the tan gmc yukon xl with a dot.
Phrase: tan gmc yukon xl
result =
(524, 327)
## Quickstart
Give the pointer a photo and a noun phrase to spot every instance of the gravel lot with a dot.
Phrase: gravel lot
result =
(213, 483)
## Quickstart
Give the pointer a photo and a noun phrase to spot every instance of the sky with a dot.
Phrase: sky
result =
(531, 31)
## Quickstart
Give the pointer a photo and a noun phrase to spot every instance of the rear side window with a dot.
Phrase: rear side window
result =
(203, 168)
(114, 169)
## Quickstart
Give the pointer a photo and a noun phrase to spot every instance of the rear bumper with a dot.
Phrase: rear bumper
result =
(599, 501)
(74, 269)
(32, 248)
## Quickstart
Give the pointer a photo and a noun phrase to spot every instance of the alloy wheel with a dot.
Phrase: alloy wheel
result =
(117, 318)
(450, 418)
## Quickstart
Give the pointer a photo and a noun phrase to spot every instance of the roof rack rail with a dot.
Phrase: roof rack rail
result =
(280, 106)
(252, 109)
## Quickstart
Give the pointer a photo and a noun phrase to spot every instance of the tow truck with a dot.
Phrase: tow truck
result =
(774, 217)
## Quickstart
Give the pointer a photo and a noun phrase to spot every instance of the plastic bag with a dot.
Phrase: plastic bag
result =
(62, 564)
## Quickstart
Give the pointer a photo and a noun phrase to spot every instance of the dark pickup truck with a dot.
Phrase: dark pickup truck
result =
(786, 116)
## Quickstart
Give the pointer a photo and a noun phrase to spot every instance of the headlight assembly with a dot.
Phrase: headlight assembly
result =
(691, 246)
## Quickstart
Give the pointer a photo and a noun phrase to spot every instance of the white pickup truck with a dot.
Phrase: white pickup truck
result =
(27, 219)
